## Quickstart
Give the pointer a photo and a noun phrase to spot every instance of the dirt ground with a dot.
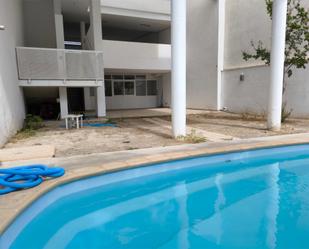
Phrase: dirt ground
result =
(134, 133)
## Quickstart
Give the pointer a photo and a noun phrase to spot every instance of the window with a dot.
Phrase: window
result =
(151, 87)
(129, 88)
(140, 77)
(129, 77)
(108, 88)
(118, 88)
(107, 77)
(140, 87)
(118, 77)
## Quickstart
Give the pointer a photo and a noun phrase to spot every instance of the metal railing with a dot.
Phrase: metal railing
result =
(59, 64)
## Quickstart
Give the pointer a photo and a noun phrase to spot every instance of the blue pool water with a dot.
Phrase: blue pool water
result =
(252, 199)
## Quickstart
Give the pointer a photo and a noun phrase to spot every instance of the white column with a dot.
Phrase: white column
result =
(101, 105)
(63, 96)
(179, 14)
(96, 23)
(59, 24)
(221, 37)
(82, 34)
(96, 26)
(277, 63)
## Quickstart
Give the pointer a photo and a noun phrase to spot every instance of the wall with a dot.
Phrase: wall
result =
(39, 22)
(245, 21)
(135, 55)
(154, 6)
(250, 95)
(131, 102)
(166, 85)
(202, 33)
(11, 97)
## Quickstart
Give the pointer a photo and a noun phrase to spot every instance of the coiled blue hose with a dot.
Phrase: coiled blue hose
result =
(17, 178)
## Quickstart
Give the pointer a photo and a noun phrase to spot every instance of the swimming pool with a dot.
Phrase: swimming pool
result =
(250, 199)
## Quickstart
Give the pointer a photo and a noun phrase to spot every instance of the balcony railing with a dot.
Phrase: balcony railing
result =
(59, 64)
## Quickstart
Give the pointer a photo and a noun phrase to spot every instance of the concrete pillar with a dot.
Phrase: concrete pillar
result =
(63, 96)
(96, 23)
(221, 37)
(96, 31)
(178, 9)
(59, 24)
(277, 63)
(101, 105)
(82, 34)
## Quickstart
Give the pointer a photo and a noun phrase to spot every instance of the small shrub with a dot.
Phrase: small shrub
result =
(192, 138)
(33, 122)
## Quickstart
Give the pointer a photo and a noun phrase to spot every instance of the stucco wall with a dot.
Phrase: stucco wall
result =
(251, 95)
(202, 33)
(12, 105)
(247, 21)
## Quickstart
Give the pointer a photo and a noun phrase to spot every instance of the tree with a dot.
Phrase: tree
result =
(297, 40)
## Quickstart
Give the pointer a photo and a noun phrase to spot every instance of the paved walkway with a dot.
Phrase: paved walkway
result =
(79, 167)
(151, 112)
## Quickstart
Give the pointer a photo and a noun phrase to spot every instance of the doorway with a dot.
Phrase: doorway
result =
(76, 101)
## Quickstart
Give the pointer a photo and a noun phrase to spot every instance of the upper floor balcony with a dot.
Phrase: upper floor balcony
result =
(59, 67)
(136, 56)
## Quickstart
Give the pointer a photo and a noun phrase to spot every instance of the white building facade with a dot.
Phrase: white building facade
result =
(66, 56)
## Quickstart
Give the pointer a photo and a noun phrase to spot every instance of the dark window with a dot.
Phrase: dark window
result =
(107, 77)
(151, 87)
(129, 87)
(140, 87)
(117, 77)
(129, 77)
(118, 88)
(108, 88)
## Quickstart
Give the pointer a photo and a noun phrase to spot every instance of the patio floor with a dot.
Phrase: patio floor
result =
(151, 112)
(147, 128)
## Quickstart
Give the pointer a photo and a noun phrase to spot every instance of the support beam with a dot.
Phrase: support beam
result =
(277, 63)
(83, 34)
(96, 24)
(63, 96)
(101, 105)
(178, 9)
(59, 24)
(96, 31)
(220, 63)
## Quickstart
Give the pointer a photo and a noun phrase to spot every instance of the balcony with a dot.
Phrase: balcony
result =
(136, 56)
(59, 67)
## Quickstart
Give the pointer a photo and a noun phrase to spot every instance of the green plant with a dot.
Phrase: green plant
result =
(192, 138)
(285, 113)
(33, 122)
(296, 43)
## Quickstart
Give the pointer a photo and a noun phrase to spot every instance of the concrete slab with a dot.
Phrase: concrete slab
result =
(210, 136)
(151, 112)
(27, 153)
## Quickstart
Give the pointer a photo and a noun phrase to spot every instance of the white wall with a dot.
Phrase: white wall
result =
(136, 55)
(202, 33)
(248, 21)
(131, 102)
(39, 20)
(12, 105)
(250, 95)
(245, 21)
